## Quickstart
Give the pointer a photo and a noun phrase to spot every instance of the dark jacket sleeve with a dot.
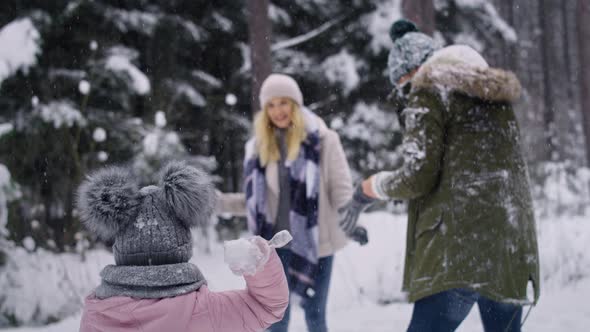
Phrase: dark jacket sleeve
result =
(422, 149)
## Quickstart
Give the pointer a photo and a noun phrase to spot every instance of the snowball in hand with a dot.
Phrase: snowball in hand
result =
(247, 256)
(242, 256)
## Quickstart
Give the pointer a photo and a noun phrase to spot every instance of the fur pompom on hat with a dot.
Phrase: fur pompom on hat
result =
(190, 192)
(411, 48)
(280, 85)
(151, 225)
(108, 200)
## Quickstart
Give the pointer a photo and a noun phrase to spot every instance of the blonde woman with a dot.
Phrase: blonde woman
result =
(296, 178)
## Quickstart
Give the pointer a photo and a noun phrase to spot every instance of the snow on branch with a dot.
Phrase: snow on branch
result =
(137, 79)
(305, 37)
(185, 90)
(207, 78)
(482, 12)
(4, 181)
(379, 21)
(61, 113)
(132, 20)
(5, 128)
(341, 69)
(19, 46)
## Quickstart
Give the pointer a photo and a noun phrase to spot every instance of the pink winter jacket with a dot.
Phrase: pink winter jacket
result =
(261, 304)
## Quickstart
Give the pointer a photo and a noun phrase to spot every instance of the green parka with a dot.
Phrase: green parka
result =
(470, 219)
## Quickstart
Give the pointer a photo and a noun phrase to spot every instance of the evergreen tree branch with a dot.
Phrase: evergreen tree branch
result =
(305, 37)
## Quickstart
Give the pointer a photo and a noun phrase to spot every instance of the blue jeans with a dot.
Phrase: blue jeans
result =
(444, 312)
(314, 308)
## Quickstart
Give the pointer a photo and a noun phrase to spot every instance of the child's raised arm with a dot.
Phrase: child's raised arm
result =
(261, 304)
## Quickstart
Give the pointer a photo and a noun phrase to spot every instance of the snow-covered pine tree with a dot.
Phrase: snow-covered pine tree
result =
(85, 92)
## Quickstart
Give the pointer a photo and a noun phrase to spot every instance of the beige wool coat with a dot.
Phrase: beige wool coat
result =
(335, 190)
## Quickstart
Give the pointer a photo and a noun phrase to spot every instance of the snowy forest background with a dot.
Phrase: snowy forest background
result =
(86, 83)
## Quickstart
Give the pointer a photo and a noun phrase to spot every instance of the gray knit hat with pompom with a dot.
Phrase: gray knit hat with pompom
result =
(149, 226)
(411, 48)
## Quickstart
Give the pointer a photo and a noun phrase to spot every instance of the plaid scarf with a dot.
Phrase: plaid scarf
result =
(304, 181)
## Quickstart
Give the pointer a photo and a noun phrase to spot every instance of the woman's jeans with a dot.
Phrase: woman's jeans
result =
(444, 312)
(314, 308)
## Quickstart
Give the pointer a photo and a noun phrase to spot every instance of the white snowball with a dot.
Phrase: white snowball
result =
(242, 256)
(35, 101)
(93, 45)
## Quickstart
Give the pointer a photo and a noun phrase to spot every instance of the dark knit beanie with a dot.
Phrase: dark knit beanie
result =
(149, 226)
(411, 48)
(400, 27)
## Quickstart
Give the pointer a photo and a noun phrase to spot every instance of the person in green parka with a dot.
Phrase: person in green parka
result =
(471, 234)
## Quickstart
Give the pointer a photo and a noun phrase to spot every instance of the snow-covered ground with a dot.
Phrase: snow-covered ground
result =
(366, 277)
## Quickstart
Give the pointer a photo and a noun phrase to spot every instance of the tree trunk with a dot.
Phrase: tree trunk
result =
(525, 58)
(260, 35)
(504, 53)
(557, 105)
(583, 27)
(421, 12)
(572, 120)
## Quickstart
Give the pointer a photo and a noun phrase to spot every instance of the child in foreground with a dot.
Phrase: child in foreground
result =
(152, 286)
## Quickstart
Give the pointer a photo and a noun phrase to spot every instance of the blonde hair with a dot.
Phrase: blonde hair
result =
(266, 141)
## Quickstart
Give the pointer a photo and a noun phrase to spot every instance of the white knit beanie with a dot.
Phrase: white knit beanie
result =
(280, 85)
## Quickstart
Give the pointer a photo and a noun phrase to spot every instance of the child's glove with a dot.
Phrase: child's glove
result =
(248, 256)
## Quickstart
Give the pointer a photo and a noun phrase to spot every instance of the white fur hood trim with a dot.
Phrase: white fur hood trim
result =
(459, 68)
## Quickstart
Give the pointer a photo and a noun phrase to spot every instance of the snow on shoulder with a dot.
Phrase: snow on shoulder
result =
(460, 68)
(457, 54)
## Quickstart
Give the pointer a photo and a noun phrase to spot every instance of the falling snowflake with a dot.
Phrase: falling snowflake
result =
(102, 156)
(99, 135)
(29, 243)
(231, 99)
(160, 119)
(84, 87)
(93, 45)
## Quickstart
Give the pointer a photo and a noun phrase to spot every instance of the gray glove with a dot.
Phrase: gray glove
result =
(349, 213)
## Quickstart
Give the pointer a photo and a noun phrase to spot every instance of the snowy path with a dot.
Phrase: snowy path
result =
(364, 276)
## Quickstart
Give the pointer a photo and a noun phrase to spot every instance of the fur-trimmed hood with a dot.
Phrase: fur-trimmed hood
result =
(461, 69)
